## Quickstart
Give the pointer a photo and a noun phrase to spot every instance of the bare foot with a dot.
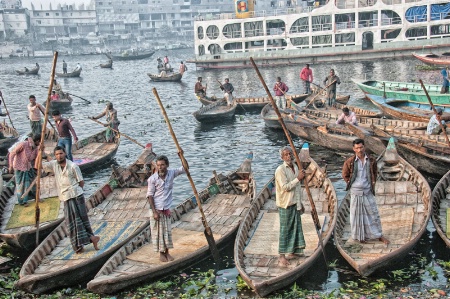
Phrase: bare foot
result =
(169, 257)
(282, 261)
(163, 257)
(363, 241)
(94, 240)
(291, 256)
(384, 240)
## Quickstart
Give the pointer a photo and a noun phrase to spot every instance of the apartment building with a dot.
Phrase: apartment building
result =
(14, 22)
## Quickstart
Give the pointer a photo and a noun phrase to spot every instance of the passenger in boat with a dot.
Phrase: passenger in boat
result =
(64, 67)
(228, 91)
(280, 89)
(166, 61)
(65, 133)
(21, 160)
(183, 68)
(55, 96)
(160, 63)
(347, 116)
(288, 201)
(70, 184)
(360, 174)
(433, 127)
(37, 65)
(159, 196)
(77, 68)
(112, 122)
(199, 89)
(163, 74)
(330, 83)
(306, 75)
(57, 87)
(35, 113)
(26, 70)
(445, 83)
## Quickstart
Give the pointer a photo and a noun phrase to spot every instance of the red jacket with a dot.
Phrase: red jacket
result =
(306, 74)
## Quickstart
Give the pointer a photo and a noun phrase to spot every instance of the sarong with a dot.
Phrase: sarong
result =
(77, 222)
(331, 97)
(229, 98)
(291, 232)
(306, 86)
(110, 134)
(161, 232)
(280, 101)
(23, 182)
(36, 127)
(364, 217)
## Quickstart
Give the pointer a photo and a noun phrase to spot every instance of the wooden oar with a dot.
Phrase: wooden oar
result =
(314, 215)
(7, 112)
(208, 232)
(41, 148)
(120, 133)
(48, 120)
(435, 112)
(28, 189)
(87, 101)
(312, 100)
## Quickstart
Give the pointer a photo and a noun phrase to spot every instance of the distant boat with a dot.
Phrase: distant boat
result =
(433, 59)
(70, 75)
(128, 56)
(33, 71)
(175, 77)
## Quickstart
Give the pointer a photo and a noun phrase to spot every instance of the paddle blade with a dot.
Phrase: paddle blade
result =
(212, 244)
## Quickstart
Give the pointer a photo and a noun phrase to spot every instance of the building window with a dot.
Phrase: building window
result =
(57, 14)
(39, 22)
(47, 14)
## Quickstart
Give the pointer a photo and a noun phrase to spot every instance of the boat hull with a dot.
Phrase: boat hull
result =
(73, 74)
(440, 204)
(169, 78)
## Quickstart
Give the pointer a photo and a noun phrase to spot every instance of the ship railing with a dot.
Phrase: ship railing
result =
(437, 16)
(299, 29)
(368, 23)
(391, 21)
(254, 32)
(322, 27)
(345, 25)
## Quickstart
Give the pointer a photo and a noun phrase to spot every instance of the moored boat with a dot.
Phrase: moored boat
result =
(256, 246)
(175, 77)
(403, 197)
(11, 136)
(117, 212)
(107, 65)
(61, 104)
(225, 202)
(218, 111)
(433, 59)
(69, 75)
(130, 56)
(441, 208)
(33, 71)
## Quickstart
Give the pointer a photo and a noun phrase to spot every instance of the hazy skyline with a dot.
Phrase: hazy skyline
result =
(46, 3)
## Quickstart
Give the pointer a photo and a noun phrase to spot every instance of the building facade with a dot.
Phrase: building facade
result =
(16, 23)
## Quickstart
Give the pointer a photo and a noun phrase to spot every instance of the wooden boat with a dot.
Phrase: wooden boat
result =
(61, 104)
(175, 77)
(252, 102)
(69, 75)
(218, 111)
(403, 198)
(405, 109)
(225, 202)
(118, 211)
(130, 56)
(256, 246)
(88, 153)
(433, 59)
(412, 92)
(11, 137)
(162, 68)
(319, 100)
(107, 65)
(441, 206)
(270, 117)
(33, 71)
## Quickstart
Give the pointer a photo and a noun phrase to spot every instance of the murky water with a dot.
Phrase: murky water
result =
(219, 147)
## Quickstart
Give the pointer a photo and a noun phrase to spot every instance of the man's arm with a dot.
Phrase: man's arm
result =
(340, 119)
(71, 129)
(353, 120)
(280, 176)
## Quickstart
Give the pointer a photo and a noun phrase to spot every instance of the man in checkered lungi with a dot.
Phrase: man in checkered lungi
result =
(288, 194)
(159, 195)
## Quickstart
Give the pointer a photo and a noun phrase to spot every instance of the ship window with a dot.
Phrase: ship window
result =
(321, 23)
(440, 11)
(416, 14)
(212, 32)
(232, 30)
(345, 38)
(200, 33)
(440, 30)
(253, 29)
(387, 35)
(321, 39)
(214, 49)
(412, 33)
(255, 45)
(300, 41)
(366, 3)
(201, 50)
(391, 2)
(368, 19)
(300, 25)
(345, 21)
(275, 27)
(389, 17)
(276, 44)
(230, 47)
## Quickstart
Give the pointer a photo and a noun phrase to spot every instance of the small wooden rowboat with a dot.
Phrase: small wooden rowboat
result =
(163, 68)
(252, 102)
(175, 77)
(403, 198)
(130, 56)
(61, 104)
(256, 246)
(441, 208)
(69, 75)
(433, 59)
(107, 65)
(118, 211)
(33, 71)
(11, 137)
(225, 202)
(218, 111)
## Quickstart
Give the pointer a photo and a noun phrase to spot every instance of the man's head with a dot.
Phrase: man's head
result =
(162, 163)
(332, 72)
(109, 105)
(307, 66)
(286, 154)
(60, 154)
(278, 79)
(439, 111)
(181, 62)
(36, 139)
(54, 81)
(346, 111)
(199, 79)
(64, 60)
(56, 115)
(227, 80)
(358, 148)
(32, 99)
(53, 92)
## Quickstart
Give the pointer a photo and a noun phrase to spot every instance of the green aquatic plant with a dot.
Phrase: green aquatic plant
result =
(241, 284)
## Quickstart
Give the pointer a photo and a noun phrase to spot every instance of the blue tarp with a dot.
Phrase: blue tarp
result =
(439, 9)
(419, 13)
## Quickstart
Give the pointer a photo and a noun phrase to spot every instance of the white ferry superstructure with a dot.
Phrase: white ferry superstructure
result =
(341, 30)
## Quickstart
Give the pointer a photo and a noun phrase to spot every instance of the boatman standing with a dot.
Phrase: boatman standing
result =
(331, 81)
(280, 89)
(199, 89)
(306, 75)
(64, 67)
(65, 132)
(35, 112)
(228, 91)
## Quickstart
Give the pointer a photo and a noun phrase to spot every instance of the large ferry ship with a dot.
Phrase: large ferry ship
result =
(339, 30)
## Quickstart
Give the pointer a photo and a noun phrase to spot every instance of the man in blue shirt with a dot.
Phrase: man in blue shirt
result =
(445, 83)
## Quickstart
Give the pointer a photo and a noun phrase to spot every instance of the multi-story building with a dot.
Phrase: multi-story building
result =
(16, 22)
(10, 4)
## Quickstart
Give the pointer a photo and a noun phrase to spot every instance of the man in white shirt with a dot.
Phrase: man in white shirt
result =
(434, 127)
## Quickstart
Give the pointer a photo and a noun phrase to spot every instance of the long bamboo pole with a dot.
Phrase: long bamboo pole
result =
(41, 148)
(120, 133)
(208, 232)
(6, 108)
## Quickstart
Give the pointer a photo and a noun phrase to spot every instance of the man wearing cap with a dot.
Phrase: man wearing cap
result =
(347, 116)
(434, 127)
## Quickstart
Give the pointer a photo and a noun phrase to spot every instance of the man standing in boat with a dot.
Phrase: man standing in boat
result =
(64, 67)
(288, 201)
(159, 195)
(330, 83)
(112, 122)
(228, 91)
(360, 174)
(182, 68)
(35, 112)
(199, 89)
(70, 184)
(306, 75)
(77, 68)
(65, 132)
(280, 89)
(445, 83)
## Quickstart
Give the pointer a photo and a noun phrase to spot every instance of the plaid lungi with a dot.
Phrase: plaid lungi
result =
(306, 87)
(36, 127)
(291, 232)
(161, 232)
(364, 217)
(23, 182)
(77, 222)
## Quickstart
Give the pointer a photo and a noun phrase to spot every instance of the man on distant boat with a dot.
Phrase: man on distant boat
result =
(182, 68)
(64, 67)
(280, 89)
(434, 127)
(166, 61)
(306, 75)
(77, 68)
(55, 96)
(199, 89)
(445, 83)
(228, 91)
(65, 132)
(360, 174)
(57, 87)
(347, 116)
(159, 195)
(288, 197)
(331, 81)
(35, 112)
(21, 162)
(112, 122)
(70, 185)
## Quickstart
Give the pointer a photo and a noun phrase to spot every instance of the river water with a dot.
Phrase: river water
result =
(220, 146)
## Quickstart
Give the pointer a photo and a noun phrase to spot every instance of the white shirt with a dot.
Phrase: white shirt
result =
(67, 179)
(433, 124)
(288, 188)
(161, 189)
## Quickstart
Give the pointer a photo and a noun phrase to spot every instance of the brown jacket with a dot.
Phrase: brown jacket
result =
(347, 172)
